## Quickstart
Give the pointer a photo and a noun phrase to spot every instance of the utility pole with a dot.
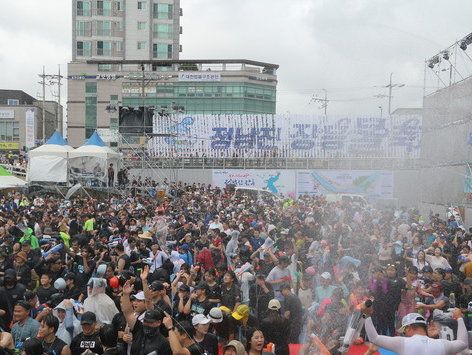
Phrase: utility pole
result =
(59, 115)
(324, 102)
(390, 87)
(54, 79)
(43, 83)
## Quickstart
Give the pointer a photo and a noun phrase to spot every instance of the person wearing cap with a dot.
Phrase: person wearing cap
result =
(24, 326)
(89, 339)
(32, 255)
(138, 300)
(242, 322)
(439, 300)
(279, 275)
(415, 339)
(23, 271)
(146, 334)
(293, 312)
(234, 347)
(276, 328)
(325, 289)
(260, 293)
(198, 302)
(207, 342)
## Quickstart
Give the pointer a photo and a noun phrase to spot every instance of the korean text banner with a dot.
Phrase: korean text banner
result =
(279, 182)
(286, 136)
(292, 183)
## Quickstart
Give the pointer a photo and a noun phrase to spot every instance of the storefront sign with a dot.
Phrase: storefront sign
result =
(108, 77)
(9, 145)
(7, 114)
(199, 76)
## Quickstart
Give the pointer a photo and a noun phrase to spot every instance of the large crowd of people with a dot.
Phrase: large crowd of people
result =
(204, 270)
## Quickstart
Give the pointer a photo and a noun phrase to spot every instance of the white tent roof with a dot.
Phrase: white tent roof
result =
(7, 182)
(95, 151)
(51, 149)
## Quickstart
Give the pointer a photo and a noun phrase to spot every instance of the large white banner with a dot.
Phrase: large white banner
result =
(292, 183)
(279, 182)
(372, 183)
(30, 129)
(286, 136)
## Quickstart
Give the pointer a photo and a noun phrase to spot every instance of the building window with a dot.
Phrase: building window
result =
(82, 28)
(104, 48)
(141, 5)
(119, 25)
(103, 28)
(162, 51)
(163, 11)
(141, 45)
(104, 8)
(83, 8)
(119, 46)
(163, 30)
(90, 108)
(13, 102)
(141, 25)
(9, 131)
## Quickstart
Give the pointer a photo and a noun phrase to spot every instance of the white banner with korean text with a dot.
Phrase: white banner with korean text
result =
(281, 136)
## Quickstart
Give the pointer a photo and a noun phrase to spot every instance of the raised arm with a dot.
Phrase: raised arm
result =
(126, 306)
(390, 343)
(462, 341)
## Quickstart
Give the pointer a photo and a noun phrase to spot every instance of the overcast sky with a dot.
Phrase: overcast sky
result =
(345, 46)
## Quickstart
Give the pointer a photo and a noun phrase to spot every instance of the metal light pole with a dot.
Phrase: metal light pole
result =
(381, 111)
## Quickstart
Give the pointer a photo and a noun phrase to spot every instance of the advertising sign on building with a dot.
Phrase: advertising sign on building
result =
(30, 129)
(7, 114)
(199, 76)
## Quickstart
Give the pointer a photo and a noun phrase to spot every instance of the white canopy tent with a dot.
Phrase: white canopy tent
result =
(8, 181)
(48, 163)
(88, 164)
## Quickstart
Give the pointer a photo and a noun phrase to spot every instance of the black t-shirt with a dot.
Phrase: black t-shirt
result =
(209, 344)
(145, 344)
(55, 348)
(83, 342)
(81, 276)
(214, 292)
(44, 294)
(230, 297)
(194, 349)
(163, 306)
(198, 307)
(127, 260)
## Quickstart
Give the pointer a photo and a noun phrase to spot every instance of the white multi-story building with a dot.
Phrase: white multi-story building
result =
(126, 29)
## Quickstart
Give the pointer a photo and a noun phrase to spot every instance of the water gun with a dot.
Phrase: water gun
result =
(55, 249)
(356, 323)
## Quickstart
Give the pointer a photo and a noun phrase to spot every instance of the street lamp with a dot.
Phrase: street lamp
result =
(381, 111)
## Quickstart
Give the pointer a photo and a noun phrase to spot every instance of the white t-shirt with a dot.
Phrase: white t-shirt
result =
(419, 344)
